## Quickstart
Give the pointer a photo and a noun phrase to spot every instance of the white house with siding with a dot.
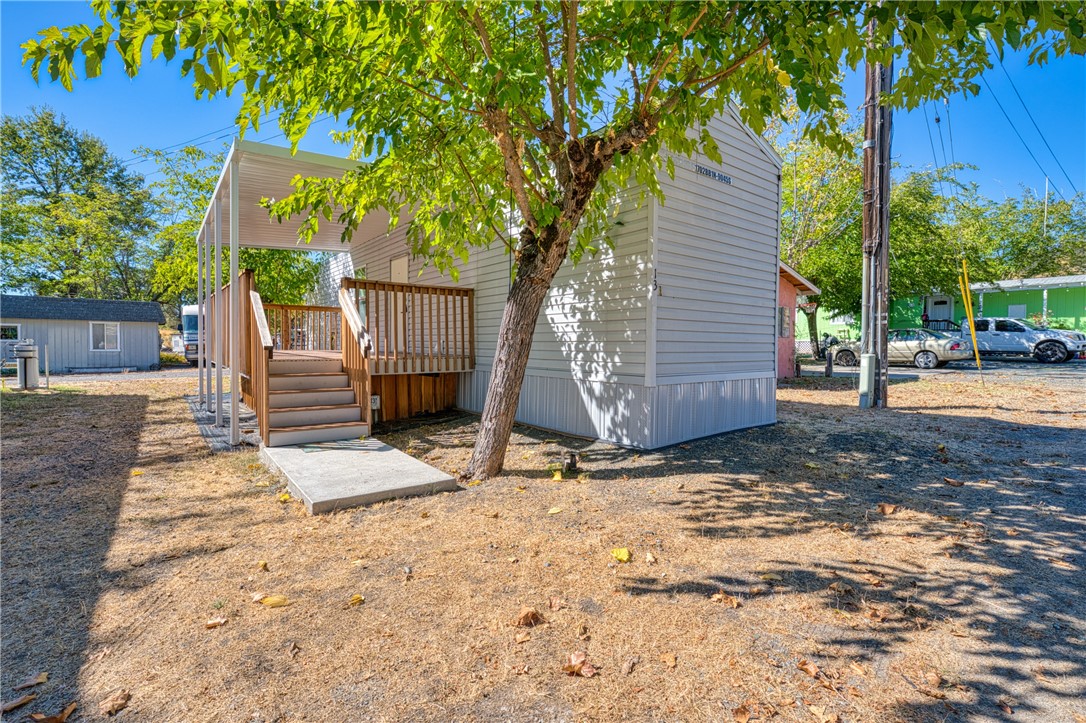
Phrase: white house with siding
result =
(84, 333)
(668, 336)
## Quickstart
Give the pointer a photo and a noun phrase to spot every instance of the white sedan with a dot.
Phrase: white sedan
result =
(924, 348)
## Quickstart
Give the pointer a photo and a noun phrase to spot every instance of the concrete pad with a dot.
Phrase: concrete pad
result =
(330, 476)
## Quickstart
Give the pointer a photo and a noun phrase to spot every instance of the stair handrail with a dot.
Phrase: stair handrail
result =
(263, 350)
(356, 353)
(354, 319)
(261, 322)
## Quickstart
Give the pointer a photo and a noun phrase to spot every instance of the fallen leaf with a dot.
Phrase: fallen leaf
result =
(812, 465)
(284, 497)
(18, 702)
(522, 488)
(841, 588)
(275, 601)
(557, 474)
(622, 554)
(934, 679)
(293, 649)
(771, 577)
(32, 681)
(578, 665)
(522, 637)
(582, 632)
(514, 560)
(475, 483)
(755, 590)
(137, 472)
(858, 669)
(491, 514)
(424, 514)
(809, 668)
(356, 600)
(669, 659)
(555, 603)
(114, 703)
(262, 565)
(630, 663)
(60, 717)
(1005, 706)
(214, 623)
(821, 714)
(554, 510)
(650, 558)
(940, 448)
(1013, 532)
(741, 714)
(529, 617)
(953, 482)
(885, 508)
(729, 600)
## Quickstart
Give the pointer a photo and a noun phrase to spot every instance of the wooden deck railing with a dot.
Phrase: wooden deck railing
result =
(304, 327)
(357, 346)
(261, 348)
(416, 329)
(219, 316)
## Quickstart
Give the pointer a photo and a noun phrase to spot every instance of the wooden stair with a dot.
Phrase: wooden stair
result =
(311, 400)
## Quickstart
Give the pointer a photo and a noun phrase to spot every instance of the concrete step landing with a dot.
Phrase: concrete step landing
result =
(336, 475)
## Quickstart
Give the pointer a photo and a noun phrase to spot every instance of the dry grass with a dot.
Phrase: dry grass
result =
(123, 537)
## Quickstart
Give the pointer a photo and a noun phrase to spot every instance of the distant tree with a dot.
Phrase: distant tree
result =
(554, 105)
(188, 178)
(75, 221)
(1019, 242)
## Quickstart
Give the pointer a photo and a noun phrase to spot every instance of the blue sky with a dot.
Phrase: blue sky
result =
(157, 109)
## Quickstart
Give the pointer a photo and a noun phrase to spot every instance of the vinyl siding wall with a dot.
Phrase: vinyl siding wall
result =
(69, 344)
(597, 368)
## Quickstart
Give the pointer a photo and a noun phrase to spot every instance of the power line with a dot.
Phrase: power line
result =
(1020, 138)
(1032, 120)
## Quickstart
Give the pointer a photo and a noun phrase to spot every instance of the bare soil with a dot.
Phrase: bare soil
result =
(763, 580)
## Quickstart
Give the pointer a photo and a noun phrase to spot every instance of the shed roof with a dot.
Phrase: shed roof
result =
(1040, 282)
(793, 277)
(54, 307)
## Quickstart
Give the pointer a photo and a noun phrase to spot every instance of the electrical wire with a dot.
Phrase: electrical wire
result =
(1031, 118)
(1020, 138)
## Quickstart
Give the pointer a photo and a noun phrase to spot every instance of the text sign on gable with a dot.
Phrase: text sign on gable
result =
(715, 175)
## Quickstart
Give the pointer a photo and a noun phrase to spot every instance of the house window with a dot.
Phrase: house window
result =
(105, 335)
(9, 332)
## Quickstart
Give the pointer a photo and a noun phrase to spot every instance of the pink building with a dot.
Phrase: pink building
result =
(791, 285)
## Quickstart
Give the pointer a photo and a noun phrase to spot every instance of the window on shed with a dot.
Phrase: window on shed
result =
(9, 332)
(105, 335)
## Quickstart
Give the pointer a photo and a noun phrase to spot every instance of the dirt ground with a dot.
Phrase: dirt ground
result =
(765, 581)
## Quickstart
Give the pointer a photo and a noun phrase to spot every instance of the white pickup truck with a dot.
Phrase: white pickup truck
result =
(1018, 337)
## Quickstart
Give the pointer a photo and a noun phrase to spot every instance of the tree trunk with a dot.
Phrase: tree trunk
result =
(812, 331)
(529, 290)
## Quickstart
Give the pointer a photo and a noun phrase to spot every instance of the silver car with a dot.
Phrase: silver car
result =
(923, 348)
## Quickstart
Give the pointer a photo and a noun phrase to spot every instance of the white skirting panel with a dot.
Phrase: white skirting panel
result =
(632, 415)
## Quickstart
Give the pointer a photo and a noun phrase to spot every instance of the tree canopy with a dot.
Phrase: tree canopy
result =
(75, 222)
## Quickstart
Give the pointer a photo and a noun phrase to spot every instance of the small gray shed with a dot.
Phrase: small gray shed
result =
(83, 333)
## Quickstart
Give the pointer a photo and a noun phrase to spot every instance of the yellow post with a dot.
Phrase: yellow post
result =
(963, 283)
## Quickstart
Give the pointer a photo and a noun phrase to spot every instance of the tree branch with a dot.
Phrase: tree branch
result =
(497, 122)
(654, 81)
(714, 80)
(552, 84)
(636, 84)
(569, 10)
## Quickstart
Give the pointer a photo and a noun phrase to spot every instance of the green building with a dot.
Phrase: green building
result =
(1060, 301)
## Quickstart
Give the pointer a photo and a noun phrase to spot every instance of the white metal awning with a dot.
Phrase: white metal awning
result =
(266, 171)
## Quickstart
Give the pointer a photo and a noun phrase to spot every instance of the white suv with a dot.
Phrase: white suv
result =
(1018, 337)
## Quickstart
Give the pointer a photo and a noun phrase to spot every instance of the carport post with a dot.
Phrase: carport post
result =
(218, 312)
(208, 323)
(199, 313)
(235, 307)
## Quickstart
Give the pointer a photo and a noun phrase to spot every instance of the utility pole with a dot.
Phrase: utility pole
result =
(874, 370)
